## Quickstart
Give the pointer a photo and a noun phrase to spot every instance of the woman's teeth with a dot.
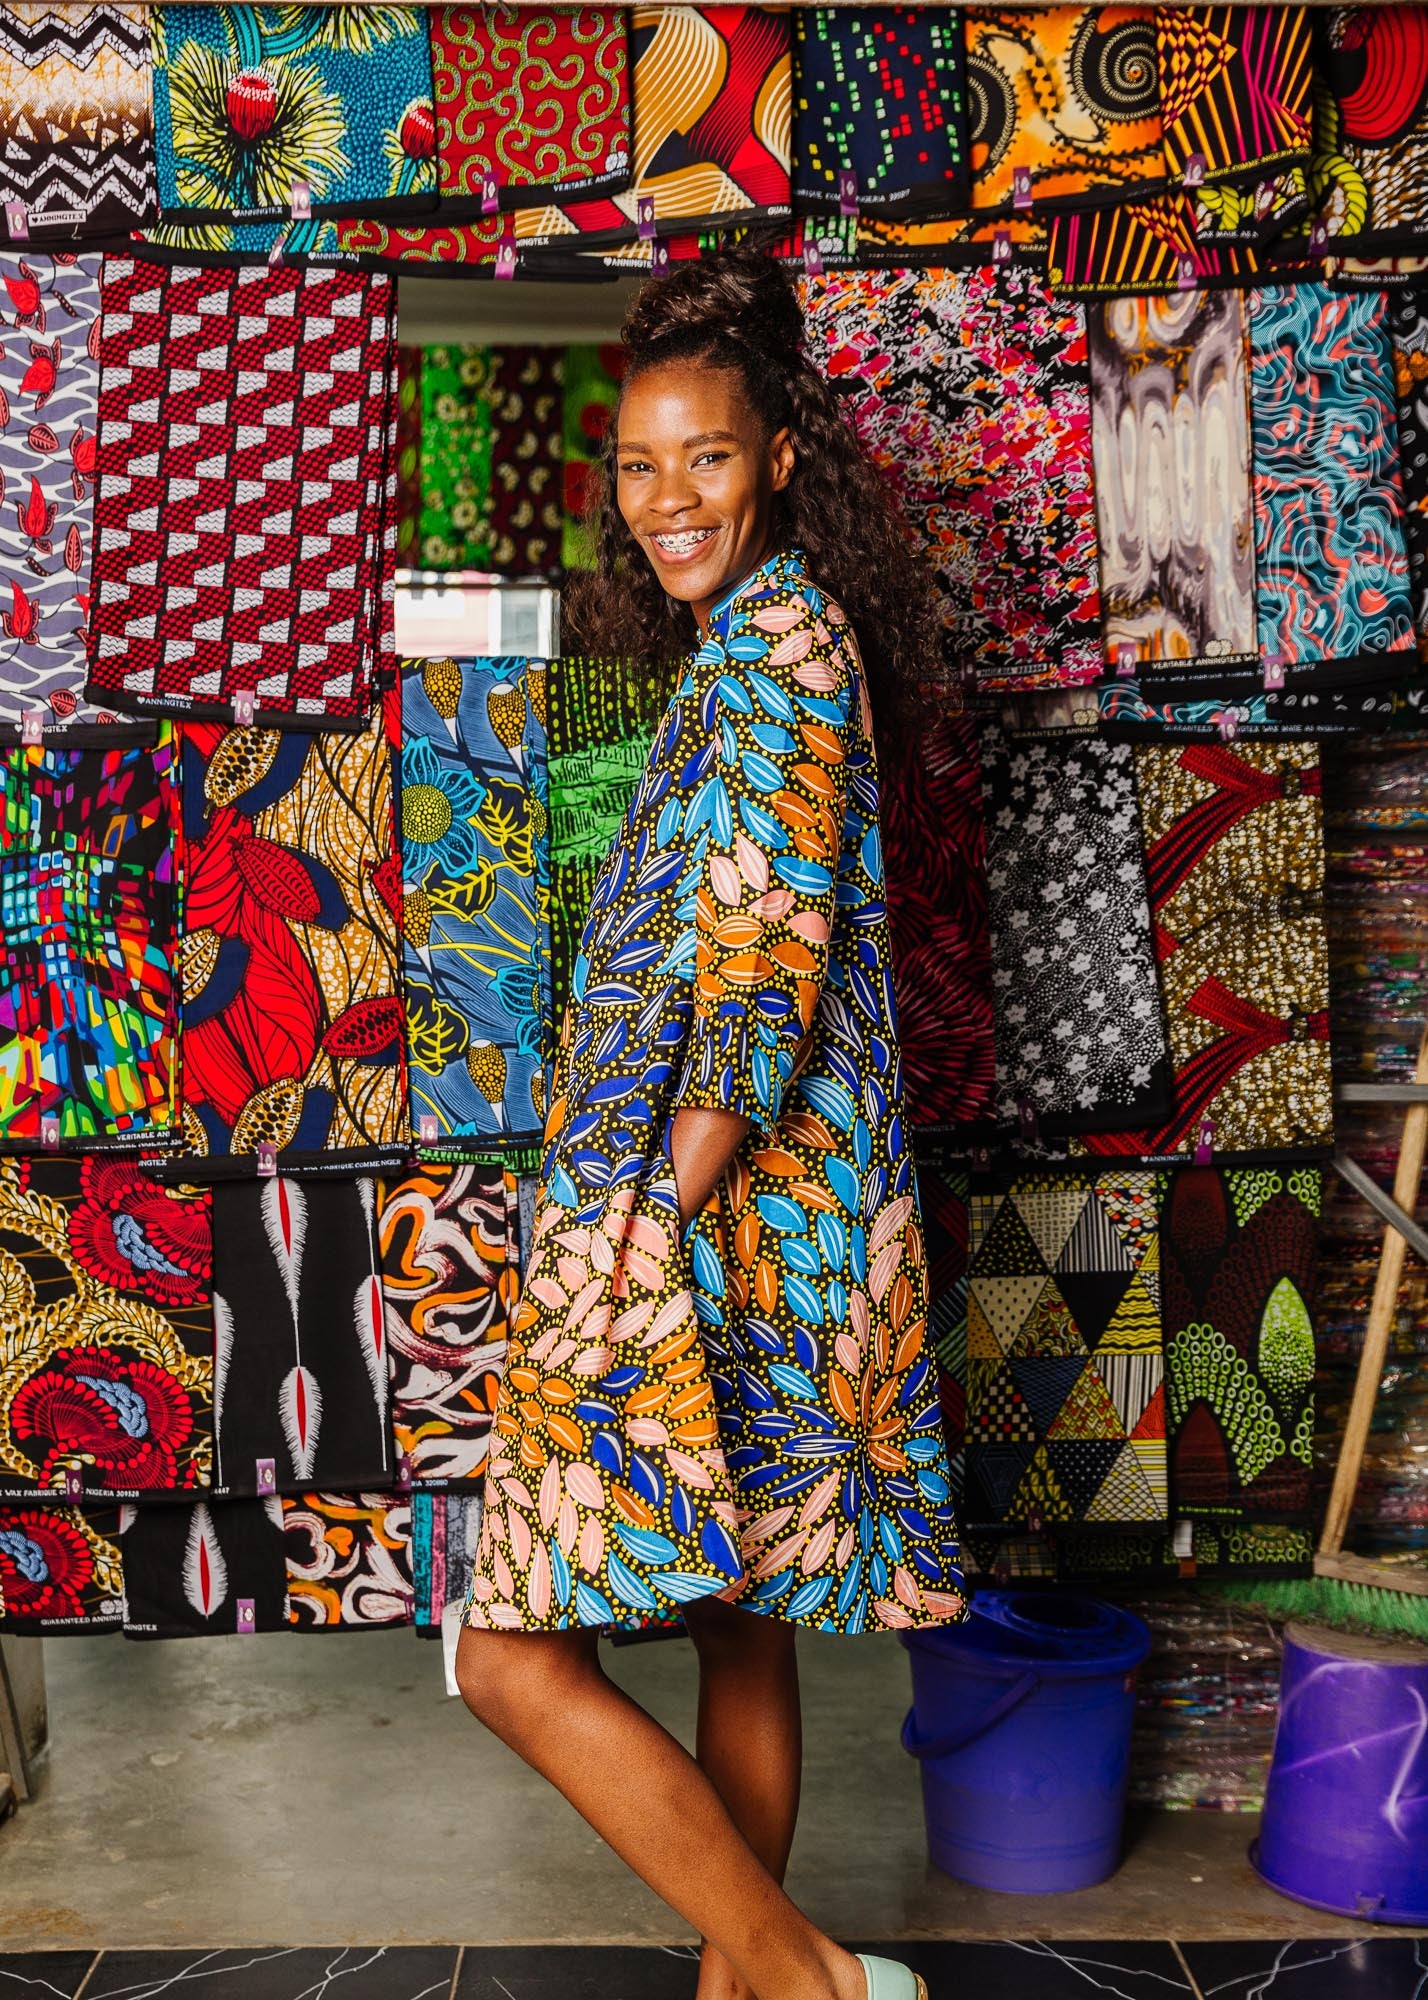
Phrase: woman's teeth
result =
(683, 544)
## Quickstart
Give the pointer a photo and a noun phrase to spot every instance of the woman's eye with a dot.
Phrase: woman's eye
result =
(711, 458)
(636, 465)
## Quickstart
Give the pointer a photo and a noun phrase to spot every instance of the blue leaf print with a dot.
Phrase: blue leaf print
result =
(770, 695)
(843, 1179)
(803, 1300)
(862, 1143)
(777, 742)
(832, 1240)
(762, 772)
(890, 1538)
(646, 1546)
(830, 1100)
(684, 1586)
(762, 828)
(559, 1573)
(647, 1480)
(806, 878)
(806, 1350)
(708, 1270)
(629, 1588)
(747, 647)
(734, 694)
(791, 1380)
(800, 1255)
(774, 1587)
(607, 1451)
(590, 1607)
(780, 1211)
(716, 1545)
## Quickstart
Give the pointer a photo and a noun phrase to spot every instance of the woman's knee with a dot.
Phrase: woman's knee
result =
(723, 1631)
(510, 1679)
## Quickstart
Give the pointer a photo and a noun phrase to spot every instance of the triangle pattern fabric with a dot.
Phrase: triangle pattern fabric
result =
(1088, 1411)
(1134, 1327)
(1095, 1245)
(1081, 1466)
(1005, 1304)
(1045, 1384)
(1051, 1214)
(1049, 1327)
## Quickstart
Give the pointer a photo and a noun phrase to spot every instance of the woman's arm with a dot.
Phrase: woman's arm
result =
(701, 1145)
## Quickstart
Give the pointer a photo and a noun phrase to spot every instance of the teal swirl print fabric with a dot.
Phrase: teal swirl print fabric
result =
(1332, 592)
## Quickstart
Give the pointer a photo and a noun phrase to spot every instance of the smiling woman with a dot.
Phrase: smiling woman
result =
(719, 1399)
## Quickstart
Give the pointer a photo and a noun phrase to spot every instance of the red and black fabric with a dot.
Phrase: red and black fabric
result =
(60, 1571)
(408, 444)
(107, 1335)
(293, 1031)
(300, 1344)
(527, 465)
(935, 847)
(245, 417)
(1371, 127)
(535, 98)
(1235, 865)
(349, 1558)
(199, 1572)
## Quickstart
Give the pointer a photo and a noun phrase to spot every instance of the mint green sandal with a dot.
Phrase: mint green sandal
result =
(887, 1980)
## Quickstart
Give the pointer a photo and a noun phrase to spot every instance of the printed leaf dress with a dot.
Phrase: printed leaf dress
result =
(750, 1410)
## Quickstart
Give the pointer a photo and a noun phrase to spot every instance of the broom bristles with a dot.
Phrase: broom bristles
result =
(1328, 1600)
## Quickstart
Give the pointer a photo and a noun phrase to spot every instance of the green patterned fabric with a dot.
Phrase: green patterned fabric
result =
(602, 721)
(457, 394)
(592, 386)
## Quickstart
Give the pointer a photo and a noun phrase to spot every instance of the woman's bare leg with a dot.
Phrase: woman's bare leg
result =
(545, 1695)
(750, 1744)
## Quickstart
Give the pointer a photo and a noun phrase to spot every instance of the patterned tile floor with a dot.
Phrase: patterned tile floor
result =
(1380, 1968)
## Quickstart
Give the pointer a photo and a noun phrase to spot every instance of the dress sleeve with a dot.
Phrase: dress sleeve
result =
(769, 816)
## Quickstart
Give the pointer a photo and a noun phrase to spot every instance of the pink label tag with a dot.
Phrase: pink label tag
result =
(1205, 1142)
(1125, 659)
(1319, 238)
(1001, 246)
(243, 709)
(1021, 188)
(404, 1470)
(247, 1618)
(427, 1128)
(1186, 274)
(49, 1134)
(1194, 175)
(32, 728)
(659, 256)
(267, 1161)
(812, 259)
(490, 195)
(506, 257)
(1026, 1118)
(645, 217)
(847, 192)
(302, 202)
(265, 1475)
(73, 1483)
(980, 1159)
(1274, 670)
(17, 221)
(1228, 724)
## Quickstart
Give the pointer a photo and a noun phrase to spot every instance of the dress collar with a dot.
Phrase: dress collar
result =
(783, 570)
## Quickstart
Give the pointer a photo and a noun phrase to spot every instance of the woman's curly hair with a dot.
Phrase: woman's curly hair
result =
(739, 311)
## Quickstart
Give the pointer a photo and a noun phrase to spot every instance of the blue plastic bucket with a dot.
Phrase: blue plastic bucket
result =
(1345, 1824)
(1021, 1720)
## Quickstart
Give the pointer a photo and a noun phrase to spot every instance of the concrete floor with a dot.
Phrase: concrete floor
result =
(324, 1790)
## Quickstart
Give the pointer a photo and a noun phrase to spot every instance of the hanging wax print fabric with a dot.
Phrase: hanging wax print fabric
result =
(1239, 1251)
(1065, 105)
(446, 1529)
(448, 1279)
(1170, 439)
(1371, 127)
(971, 390)
(1409, 320)
(943, 1193)
(1080, 1035)
(292, 1014)
(1235, 96)
(196, 1572)
(49, 401)
(241, 568)
(935, 849)
(106, 1332)
(60, 1571)
(300, 1347)
(1065, 1364)
(261, 111)
(76, 120)
(1234, 851)
(349, 1560)
(457, 392)
(965, 242)
(1143, 246)
(88, 992)
(1332, 591)
(713, 101)
(592, 385)
(879, 96)
(535, 100)
(528, 418)
(475, 875)
(602, 720)
(408, 448)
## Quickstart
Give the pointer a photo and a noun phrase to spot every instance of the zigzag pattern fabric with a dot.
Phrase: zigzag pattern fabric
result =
(77, 119)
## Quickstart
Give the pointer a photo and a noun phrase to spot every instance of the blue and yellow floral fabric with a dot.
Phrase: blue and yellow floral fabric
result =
(475, 895)
(748, 1408)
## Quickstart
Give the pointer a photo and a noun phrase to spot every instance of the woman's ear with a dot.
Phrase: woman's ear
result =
(782, 453)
